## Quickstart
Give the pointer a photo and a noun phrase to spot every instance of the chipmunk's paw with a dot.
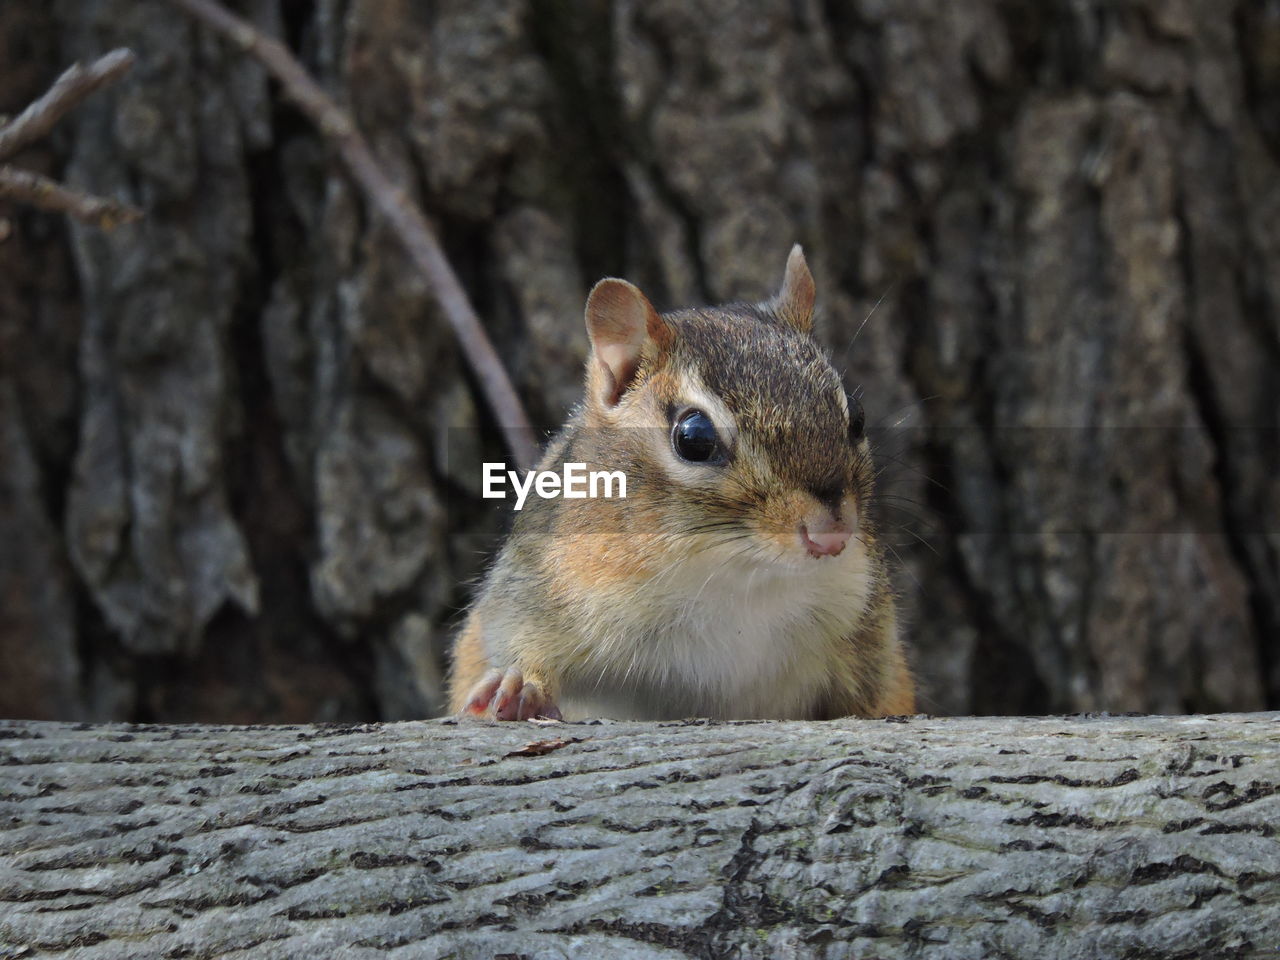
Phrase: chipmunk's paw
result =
(507, 696)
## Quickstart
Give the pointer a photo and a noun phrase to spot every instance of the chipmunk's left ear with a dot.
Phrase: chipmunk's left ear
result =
(794, 302)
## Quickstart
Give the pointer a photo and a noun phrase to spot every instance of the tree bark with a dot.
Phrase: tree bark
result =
(971, 838)
(240, 458)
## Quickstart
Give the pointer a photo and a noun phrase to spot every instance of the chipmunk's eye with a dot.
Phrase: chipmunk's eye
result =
(857, 421)
(694, 438)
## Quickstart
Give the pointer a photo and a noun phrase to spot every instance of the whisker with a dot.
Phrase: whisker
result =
(888, 290)
(906, 506)
(920, 540)
(903, 565)
(921, 474)
(879, 424)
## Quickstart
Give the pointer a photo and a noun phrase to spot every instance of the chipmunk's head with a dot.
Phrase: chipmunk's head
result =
(731, 423)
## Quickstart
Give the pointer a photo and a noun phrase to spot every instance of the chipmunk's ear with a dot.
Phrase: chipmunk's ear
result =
(620, 320)
(794, 302)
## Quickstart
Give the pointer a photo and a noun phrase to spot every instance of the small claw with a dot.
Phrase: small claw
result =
(534, 704)
(506, 696)
(506, 702)
(481, 696)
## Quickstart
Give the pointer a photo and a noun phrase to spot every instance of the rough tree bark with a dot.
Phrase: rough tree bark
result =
(239, 457)
(968, 838)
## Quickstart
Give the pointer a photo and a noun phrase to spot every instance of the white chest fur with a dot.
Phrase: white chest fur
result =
(717, 636)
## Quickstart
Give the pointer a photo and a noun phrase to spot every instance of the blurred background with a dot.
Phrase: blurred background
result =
(239, 451)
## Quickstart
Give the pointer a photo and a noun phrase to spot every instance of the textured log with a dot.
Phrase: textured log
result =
(1082, 837)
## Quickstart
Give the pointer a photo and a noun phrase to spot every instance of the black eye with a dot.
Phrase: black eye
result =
(857, 421)
(693, 437)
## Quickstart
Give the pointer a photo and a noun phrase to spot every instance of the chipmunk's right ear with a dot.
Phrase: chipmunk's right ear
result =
(620, 320)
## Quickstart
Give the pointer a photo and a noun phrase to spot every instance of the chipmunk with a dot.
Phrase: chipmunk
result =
(740, 578)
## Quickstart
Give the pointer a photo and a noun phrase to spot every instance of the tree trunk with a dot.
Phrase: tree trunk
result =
(240, 463)
(967, 838)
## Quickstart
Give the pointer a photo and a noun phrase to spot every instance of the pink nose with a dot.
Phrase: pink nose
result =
(829, 543)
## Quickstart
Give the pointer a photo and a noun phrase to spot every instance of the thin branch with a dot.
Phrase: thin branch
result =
(35, 122)
(40, 191)
(76, 83)
(406, 220)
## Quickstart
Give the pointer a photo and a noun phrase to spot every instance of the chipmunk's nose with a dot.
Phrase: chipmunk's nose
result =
(825, 539)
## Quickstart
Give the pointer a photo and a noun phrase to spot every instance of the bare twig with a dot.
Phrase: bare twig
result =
(40, 191)
(406, 220)
(37, 120)
(67, 91)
